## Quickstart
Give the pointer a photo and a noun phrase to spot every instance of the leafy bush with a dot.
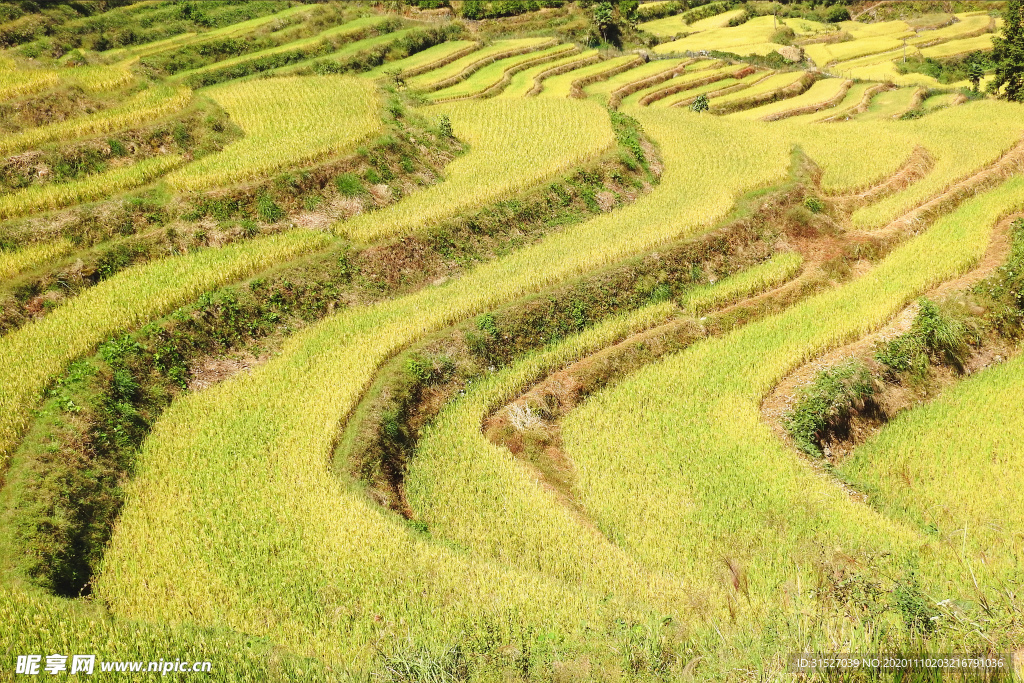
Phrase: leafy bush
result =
(348, 184)
(935, 332)
(826, 403)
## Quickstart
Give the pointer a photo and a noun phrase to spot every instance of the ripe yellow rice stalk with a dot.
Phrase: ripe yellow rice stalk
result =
(967, 27)
(252, 453)
(738, 492)
(514, 144)
(717, 21)
(14, 83)
(33, 355)
(59, 195)
(430, 79)
(853, 98)
(603, 89)
(958, 47)
(818, 94)
(99, 78)
(861, 31)
(415, 62)
(962, 140)
(26, 258)
(154, 102)
(298, 120)
(825, 53)
(349, 49)
(759, 87)
(511, 519)
(773, 272)
(728, 39)
(525, 81)
(666, 27)
(561, 85)
(335, 31)
(491, 76)
(934, 467)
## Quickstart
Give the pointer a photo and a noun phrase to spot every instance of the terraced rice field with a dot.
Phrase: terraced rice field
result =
(493, 75)
(491, 359)
(285, 125)
(819, 94)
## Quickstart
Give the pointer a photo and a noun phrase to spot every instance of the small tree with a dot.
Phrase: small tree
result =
(975, 72)
(445, 126)
(700, 104)
(1008, 54)
(612, 19)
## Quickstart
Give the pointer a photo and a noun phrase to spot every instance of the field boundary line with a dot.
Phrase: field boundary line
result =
(538, 80)
(577, 86)
(481, 63)
(812, 108)
(444, 61)
(636, 86)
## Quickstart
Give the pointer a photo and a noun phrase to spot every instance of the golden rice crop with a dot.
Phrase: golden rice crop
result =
(349, 49)
(967, 24)
(512, 519)
(15, 83)
(853, 98)
(499, 47)
(514, 144)
(298, 120)
(652, 68)
(422, 59)
(252, 453)
(108, 183)
(728, 39)
(825, 53)
(666, 27)
(334, 31)
(31, 356)
(758, 87)
(154, 102)
(524, 81)
(738, 492)
(14, 262)
(819, 93)
(561, 85)
(694, 72)
(717, 21)
(491, 75)
(945, 468)
(98, 78)
(889, 104)
(773, 272)
(961, 140)
(860, 30)
(958, 47)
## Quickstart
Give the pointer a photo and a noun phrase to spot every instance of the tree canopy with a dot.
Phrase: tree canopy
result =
(1008, 54)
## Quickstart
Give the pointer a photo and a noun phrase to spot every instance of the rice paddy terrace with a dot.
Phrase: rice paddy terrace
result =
(350, 342)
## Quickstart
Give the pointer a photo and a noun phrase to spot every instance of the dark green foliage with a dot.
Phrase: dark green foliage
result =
(915, 608)
(267, 209)
(837, 13)
(1008, 54)
(444, 126)
(700, 104)
(612, 20)
(480, 9)
(936, 332)
(827, 404)
(814, 204)
(1003, 293)
(950, 70)
(975, 72)
(628, 134)
(348, 184)
(119, 257)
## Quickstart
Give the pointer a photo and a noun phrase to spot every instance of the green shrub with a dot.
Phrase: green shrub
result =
(348, 184)
(827, 403)
(814, 204)
(267, 209)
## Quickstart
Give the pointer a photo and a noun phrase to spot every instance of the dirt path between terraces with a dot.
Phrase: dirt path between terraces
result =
(781, 399)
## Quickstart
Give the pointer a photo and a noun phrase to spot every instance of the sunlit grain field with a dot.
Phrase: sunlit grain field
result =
(465, 343)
